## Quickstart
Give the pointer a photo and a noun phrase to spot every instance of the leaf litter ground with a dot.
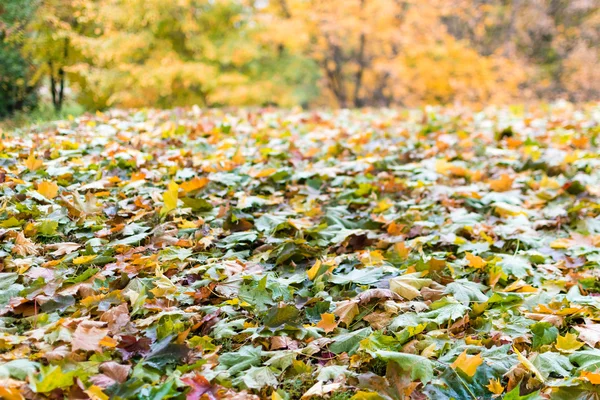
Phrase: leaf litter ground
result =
(276, 254)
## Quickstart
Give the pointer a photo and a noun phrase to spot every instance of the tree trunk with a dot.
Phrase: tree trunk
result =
(58, 93)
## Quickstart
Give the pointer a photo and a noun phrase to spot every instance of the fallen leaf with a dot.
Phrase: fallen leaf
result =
(88, 335)
(467, 364)
(33, 163)
(502, 184)
(592, 377)
(495, 386)
(568, 343)
(475, 261)
(170, 197)
(48, 189)
(327, 322)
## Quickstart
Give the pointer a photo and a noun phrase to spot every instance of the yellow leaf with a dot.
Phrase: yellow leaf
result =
(194, 184)
(83, 259)
(312, 273)
(568, 343)
(170, 198)
(508, 210)
(164, 287)
(187, 225)
(475, 261)
(402, 250)
(409, 285)
(528, 365)
(502, 184)
(362, 395)
(467, 364)
(239, 158)
(561, 243)
(276, 396)
(96, 393)
(494, 275)
(33, 163)
(495, 386)
(327, 322)
(442, 166)
(48, 189)
(264, 173)
(592, 377)
(383, 205)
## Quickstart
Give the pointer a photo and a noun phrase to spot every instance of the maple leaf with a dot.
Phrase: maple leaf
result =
(87, 336)
(502, 184)
(409, 285)
(63, 248)
(592, 377)
(33, 163)
(24, 246)
(96, 393)
(568, 343)
(467, 364)
(170, 197)
(589, 333)
(200, 387)
(48, 189)
(327, 322)
(475, 261)
(346, 311)
(495, 386)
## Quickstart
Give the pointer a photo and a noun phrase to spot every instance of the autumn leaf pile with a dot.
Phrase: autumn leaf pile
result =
(378, 254)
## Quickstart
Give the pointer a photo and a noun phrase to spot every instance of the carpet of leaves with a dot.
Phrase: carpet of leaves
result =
(193, 254)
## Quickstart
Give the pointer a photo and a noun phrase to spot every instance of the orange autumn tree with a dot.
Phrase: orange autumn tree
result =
(383, 53)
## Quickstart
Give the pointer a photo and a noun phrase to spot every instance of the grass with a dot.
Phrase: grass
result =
(40, 115)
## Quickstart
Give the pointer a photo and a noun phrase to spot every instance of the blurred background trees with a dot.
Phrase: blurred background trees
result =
(18, 81)
(340, 53)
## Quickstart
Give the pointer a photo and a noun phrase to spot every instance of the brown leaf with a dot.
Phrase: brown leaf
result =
(63, 248)
(378, 320)
(346, 311)
(117, 319)
(112, 373)
(24, 247)
(88, 335)
(589, 333)
(378, 294)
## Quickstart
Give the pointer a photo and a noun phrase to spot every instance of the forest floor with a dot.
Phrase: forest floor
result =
(372, 254)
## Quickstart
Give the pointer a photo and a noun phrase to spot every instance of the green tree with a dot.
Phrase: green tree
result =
(17, 73)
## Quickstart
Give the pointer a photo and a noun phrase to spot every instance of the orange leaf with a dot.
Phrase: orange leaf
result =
(239, 158)
(592, 377)
(467, 364)
(107, 341)
(395, 229)
(502, 184)
(10, 393)
(327, 322)
(48, 189)
(194, 184)
(475, 261)
(138, 176)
